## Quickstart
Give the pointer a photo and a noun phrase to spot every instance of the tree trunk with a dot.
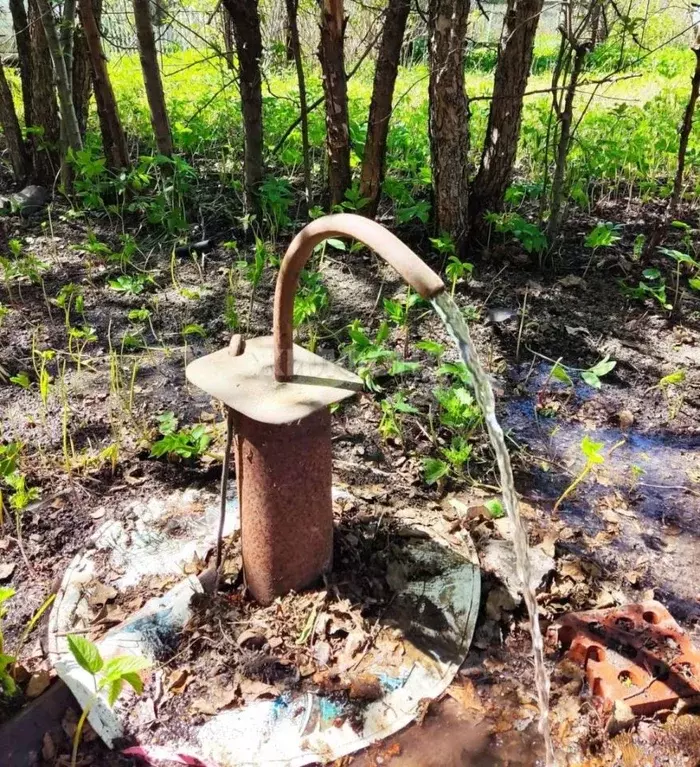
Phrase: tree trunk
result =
(228, 37)
(449, 117)
(67, 37)
(295, 45)
(11, 129)
(151, 77)
(565, 117)
(82, 70)
(380, 108)
(335, 88)
(69, 122)
(113, 140)
(503, 128)
(20, 25)
(686, 127)
(246, 33)
(44, 110)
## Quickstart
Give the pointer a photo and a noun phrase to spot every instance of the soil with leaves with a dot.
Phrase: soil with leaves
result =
(595, 361)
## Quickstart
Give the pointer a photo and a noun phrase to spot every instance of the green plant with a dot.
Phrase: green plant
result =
(603, 235)
(7, 682)
(592, 452)
(593, 375)
(457, 270)
(458, 408)
(310, 301)
(455, 456)
(130, 284)
(682, 259)
(529, 235)
(652, 285)
(185, 443)
(110, 675)
(392, 408)
(399, 313)
(253, 272)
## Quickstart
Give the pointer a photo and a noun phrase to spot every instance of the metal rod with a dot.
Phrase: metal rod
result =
(415, 271)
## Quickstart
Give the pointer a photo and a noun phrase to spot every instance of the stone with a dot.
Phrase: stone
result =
(498, 558)
(621, 718)
(30, 200)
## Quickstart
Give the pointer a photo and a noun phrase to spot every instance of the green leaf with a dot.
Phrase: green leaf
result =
(167, 423)
(114, 689)
(337, 244)
(119, 667)
(651, 274)
(559, 372)
(673, 379)
(21, 379)
(694, 283)
(86, 654)
(495, 508)
(603, 367)
(434, 469)
(431, 347)
(592, 450)
(400, 367)
(6, 592)
(135, 681)
(591, 379)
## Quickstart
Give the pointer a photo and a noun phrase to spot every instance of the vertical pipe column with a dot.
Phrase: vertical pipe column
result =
(284, 479)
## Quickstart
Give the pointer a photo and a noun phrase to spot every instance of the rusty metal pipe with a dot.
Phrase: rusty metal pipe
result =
(413, 269)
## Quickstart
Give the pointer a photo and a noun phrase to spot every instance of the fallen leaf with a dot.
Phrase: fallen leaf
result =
(48, 749)
(38, 682)
(216, 699)
(252, 689)
(99, 513)
(466, 695)
(178, 680)
(572, 281)
(251, 639)
(99, 594)
(572, 570)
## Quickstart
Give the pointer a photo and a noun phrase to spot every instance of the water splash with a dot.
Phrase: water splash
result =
(450, 314)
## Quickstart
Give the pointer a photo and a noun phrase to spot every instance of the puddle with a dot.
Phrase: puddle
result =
(654, 472)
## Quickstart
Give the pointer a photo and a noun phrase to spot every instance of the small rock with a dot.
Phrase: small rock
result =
(6, 571)
(620, 719)
(38, 682)
(626, 418)
(498, 558)
(572, 281)
(30, 200)
(499, 314)
(365, 687)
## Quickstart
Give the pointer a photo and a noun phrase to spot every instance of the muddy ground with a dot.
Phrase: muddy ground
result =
(628, 532)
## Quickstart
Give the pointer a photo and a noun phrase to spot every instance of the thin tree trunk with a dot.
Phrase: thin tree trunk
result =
(66, 38)
(449, 116)
(565, 117)
(228, 37)
(385, 72)
(295, 45)
(20, 25)
(686, 128)
(503, 128)
(335, 88)
(69, 121)
(82, 70)
(11, 129)
(246, 33)
(113, 140)
(151, 77)
(44, 109)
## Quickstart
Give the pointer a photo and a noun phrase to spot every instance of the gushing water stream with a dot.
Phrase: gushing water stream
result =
(450, 314)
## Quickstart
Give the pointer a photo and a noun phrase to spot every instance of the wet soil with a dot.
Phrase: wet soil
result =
(628, 532)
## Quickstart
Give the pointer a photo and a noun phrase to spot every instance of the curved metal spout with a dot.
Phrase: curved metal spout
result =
(413, 269)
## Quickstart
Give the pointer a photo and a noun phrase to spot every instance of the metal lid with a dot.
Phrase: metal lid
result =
(247, 383)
